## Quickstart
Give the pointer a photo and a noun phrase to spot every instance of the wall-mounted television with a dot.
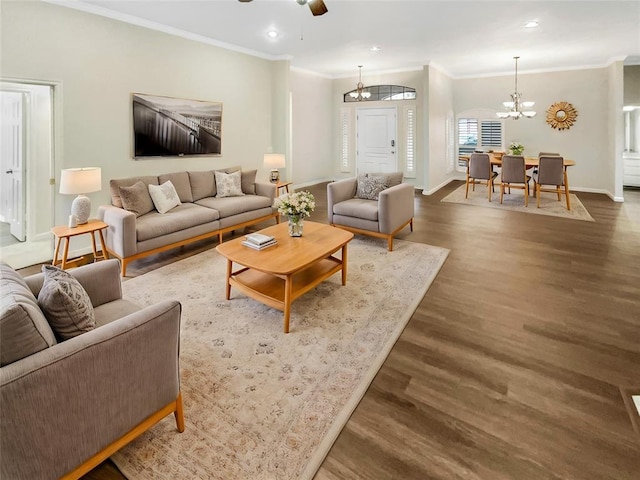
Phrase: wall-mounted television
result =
(167, 126)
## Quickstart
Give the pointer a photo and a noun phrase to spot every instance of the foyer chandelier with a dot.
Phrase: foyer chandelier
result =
(359, 94)
(515, 108)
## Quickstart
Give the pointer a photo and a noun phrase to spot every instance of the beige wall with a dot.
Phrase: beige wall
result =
(440, 157)
(312, 120)
(587, 141)
(100, 62)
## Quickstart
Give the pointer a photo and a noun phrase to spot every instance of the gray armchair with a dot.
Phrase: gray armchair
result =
(383, 218)
(72, 404)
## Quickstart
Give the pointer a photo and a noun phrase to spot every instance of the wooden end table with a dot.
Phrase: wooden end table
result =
(91, 227)
(277, 275)
(280, 185)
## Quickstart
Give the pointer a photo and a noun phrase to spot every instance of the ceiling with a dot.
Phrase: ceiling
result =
(463, 38)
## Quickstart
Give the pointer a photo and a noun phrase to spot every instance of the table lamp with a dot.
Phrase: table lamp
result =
(274, 161)
(78, 181)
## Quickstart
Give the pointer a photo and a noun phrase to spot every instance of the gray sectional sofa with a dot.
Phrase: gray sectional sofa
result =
(133, 234)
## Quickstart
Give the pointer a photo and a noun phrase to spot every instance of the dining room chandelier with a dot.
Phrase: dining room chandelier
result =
(359, 94)
(516, 107)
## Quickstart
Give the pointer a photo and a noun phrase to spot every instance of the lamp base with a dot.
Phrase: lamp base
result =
(81, 208)
(275, 176)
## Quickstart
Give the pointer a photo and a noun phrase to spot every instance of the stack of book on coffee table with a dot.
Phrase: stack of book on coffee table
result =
(258, 241)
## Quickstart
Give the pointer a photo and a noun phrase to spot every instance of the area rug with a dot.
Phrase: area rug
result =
(549, 204)
(261, 404)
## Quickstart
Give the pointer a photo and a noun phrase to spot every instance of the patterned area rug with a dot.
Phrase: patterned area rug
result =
(262, 404)
(549, 204)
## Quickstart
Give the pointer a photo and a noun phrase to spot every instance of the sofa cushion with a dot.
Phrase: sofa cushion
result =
(114, 310)
(230, 206)
(357, 207)
(183, 216)
(65, 303)
(248, 181)
(370, 185)
(136, 198)
(114, 186)
(164, 196)
(24, 330)
(394, 178)
(180, 181)
(228, 184)
(203, 184)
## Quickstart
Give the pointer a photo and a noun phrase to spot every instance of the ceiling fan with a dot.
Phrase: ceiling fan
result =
(317, 7)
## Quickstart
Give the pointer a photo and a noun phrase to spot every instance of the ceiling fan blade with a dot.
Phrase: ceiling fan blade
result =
(317, 7)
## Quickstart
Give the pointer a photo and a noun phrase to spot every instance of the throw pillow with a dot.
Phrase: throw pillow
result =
(229, 184)
(23, 328)
(136, 198)
(248, 181)
(369, 186)
(164, 196)
(65, 304)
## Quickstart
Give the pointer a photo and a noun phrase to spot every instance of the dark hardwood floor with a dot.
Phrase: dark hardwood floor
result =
(520, 361)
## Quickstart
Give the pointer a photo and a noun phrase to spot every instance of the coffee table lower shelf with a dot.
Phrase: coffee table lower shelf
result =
(279, 291)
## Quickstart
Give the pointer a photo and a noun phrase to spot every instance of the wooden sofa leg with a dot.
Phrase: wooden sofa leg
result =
(123, 267)
(179, 413)
(411, 224)
(390, 243)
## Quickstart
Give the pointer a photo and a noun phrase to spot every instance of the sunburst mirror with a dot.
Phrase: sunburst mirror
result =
(561, 115)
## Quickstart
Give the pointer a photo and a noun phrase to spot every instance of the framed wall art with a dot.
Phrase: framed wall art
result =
(167, 126)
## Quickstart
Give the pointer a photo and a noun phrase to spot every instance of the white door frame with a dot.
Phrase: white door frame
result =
(55, 154)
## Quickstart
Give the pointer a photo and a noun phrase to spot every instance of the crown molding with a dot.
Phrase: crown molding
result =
(121, 17)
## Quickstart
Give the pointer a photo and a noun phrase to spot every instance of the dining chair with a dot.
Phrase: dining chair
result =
(479, 171)
(551, 172)
(514, 170)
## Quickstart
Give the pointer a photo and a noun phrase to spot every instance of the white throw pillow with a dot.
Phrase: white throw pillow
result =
(164, 196)
(229, 184)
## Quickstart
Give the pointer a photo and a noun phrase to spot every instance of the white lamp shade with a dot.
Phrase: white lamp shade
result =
(274, 160)
(76, 181)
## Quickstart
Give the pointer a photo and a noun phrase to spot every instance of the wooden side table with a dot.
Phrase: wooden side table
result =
(64, 232)
(280, 185)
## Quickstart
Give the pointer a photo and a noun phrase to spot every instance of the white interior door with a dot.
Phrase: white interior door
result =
(13, 151)
(377, 142)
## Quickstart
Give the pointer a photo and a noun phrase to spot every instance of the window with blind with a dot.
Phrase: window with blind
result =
(410, 161)
(478, 134)
(345, 135)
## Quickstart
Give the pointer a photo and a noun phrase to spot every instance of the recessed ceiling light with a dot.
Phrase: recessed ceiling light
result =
(375, 48)
(531, 24)
(272, 34)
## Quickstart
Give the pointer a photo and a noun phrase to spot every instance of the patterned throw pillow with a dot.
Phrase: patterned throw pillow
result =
(369, 186)
(164, 196)
(65, 304)
(229, 184)
(136, 198)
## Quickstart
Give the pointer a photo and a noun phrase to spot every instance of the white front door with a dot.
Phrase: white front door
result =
(377, 142)
(12, 161)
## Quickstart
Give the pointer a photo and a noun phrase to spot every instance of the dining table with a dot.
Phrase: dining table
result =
(530, 162)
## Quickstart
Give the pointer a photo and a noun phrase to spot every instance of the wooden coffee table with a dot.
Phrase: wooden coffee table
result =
(277, 275)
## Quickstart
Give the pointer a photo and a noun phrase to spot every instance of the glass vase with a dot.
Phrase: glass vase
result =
(295, 226)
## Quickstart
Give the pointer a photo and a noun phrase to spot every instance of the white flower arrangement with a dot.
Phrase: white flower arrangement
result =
(297, 205)
(516, 148)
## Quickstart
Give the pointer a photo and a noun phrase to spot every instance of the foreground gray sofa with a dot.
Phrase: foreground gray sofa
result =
(67, 406)
(383, 217)
(201, 214)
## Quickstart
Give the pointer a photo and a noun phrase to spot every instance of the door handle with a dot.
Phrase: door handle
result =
(393, 143)
(9, 171)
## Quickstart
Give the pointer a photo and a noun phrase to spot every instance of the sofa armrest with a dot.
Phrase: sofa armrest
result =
(395, 207)
(100, 280)
(69, 401)
(121, 234)
(339, 192)
(266, 190)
